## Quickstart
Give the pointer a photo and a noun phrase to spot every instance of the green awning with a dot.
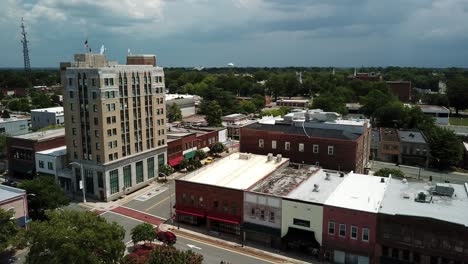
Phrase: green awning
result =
(189, 155)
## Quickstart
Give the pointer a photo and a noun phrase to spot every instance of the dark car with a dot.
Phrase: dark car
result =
(11, 183)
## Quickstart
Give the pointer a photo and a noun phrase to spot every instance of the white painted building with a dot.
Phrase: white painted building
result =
(440, 113)
(50, 161)
(185, 102)
(15, 126)
(47, 117)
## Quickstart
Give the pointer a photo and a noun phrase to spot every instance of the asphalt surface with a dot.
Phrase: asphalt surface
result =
(423, 174)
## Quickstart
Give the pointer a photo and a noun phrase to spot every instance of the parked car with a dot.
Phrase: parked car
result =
(11, 183)
(166, 237)
(209, 160)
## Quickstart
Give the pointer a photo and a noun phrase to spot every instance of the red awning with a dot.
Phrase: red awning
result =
(223, 220)
(189, 213)
(176, 161)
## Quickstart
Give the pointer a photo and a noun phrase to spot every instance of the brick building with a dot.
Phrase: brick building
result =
(22, 149)
(180, 145)
(350, 220)
(15, 200)
(423, 223)
(312, 138)
(214, 195)
(400, 89)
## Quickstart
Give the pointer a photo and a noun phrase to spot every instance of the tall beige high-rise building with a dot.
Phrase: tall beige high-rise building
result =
(115, 123)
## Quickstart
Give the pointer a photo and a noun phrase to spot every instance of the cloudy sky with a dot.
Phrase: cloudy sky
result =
(246, 32)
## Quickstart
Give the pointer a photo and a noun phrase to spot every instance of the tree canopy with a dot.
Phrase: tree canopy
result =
(213, 113)
(457, 92)
(143, 232)
(217, 148)
(330, 103)
(446, 147)
(74, 237)
(8, 229)
(385, 172)
(174, 113)
(45, 194)
(161, 254)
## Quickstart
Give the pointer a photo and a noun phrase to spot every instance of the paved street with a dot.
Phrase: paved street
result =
(415, 172)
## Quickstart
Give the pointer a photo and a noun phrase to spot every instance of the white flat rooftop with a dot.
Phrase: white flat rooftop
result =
(43, 135)
(234, 172)
(326, 186)
(359, 192)
(56, 110)
(400, 200)
(178, 96)
(56, 152)
(434, 108)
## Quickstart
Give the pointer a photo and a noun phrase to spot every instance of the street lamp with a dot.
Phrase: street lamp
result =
(82, 178)
(170, 198)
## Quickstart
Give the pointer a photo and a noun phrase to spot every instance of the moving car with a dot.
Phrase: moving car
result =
(209, 160)
(166, 237)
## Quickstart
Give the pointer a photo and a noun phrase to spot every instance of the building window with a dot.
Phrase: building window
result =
(262, 215)
(273, 144)
(41, 164)
(150, 165)
(301, 147)
(287, 146)
(50, 165)
(183, 198)
(330, 150)
(70, 81)
(161, 160)
(127, 171)
(252, 212)
(315, 148)
(272, 216)
(96, 121)
(260, 143)
(342, 230)
(331, 228)
(301, 222)
(114, 181)
(139, 171)
(200, 201)
(365, 234)
(100, 179)
(215, 204)
(354, 231)
(71, 94)
(98, 146)
(94, 93)
(71, 107)
(98, 158)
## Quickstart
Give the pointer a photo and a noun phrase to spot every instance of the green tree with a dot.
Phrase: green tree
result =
(391, 114)
(248, 107)
(385, 172)
(2, 144)
(166, 169)
(41, 100)
(446, 147)
(45, 194)
(330, 103)
(143, 232)
(374, 100)
(457, 92)
(214, 113)
(5, 114)
(174, 113)
(259, 101)
(8, 229)
(275, 86)
(217, 148)
(75, 237)
(200, 154)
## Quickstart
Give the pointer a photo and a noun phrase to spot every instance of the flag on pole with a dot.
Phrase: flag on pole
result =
(103, 49)
(86, 44)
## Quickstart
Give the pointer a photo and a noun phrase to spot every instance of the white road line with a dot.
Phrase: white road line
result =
(227, 249)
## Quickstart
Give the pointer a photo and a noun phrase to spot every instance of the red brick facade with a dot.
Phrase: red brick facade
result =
(209, 201)
(351, 245)
(21, 154)
(400, 89)
(348, 155)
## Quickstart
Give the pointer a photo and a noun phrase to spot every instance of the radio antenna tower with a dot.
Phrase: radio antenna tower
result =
(24, 40)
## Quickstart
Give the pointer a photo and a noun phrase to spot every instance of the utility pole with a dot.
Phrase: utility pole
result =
(24, 41)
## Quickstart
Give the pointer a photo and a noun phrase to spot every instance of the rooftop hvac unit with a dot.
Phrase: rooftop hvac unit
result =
(244, 156)
(444, 190)
(316, 188)
(278, 157)
(327, 176)
(270, 157)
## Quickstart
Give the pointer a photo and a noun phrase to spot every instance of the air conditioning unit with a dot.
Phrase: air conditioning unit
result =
(270, 157)
(278, 158)
(327, 176)
(316, 188)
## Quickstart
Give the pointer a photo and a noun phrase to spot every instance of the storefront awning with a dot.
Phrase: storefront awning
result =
(189, 155)
(223, 220)
(301, 237)
(206, 149)
(176, 161)
(189, 213)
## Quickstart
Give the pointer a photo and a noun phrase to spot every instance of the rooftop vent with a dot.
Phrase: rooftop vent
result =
(341, 174)
(382, 180)
(278, 158)
(316, 188)
(444, 189)
(270, 157)
(327, 176)
(244, 156)
(422, 198)
(406, 196)
(404, 181)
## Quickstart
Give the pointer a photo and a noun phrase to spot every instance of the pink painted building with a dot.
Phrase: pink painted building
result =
(15, 200)
(350, 220)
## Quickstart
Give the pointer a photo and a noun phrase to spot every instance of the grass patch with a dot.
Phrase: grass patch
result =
(458, 121)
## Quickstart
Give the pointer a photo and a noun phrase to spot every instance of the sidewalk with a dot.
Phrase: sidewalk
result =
(233, 246)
